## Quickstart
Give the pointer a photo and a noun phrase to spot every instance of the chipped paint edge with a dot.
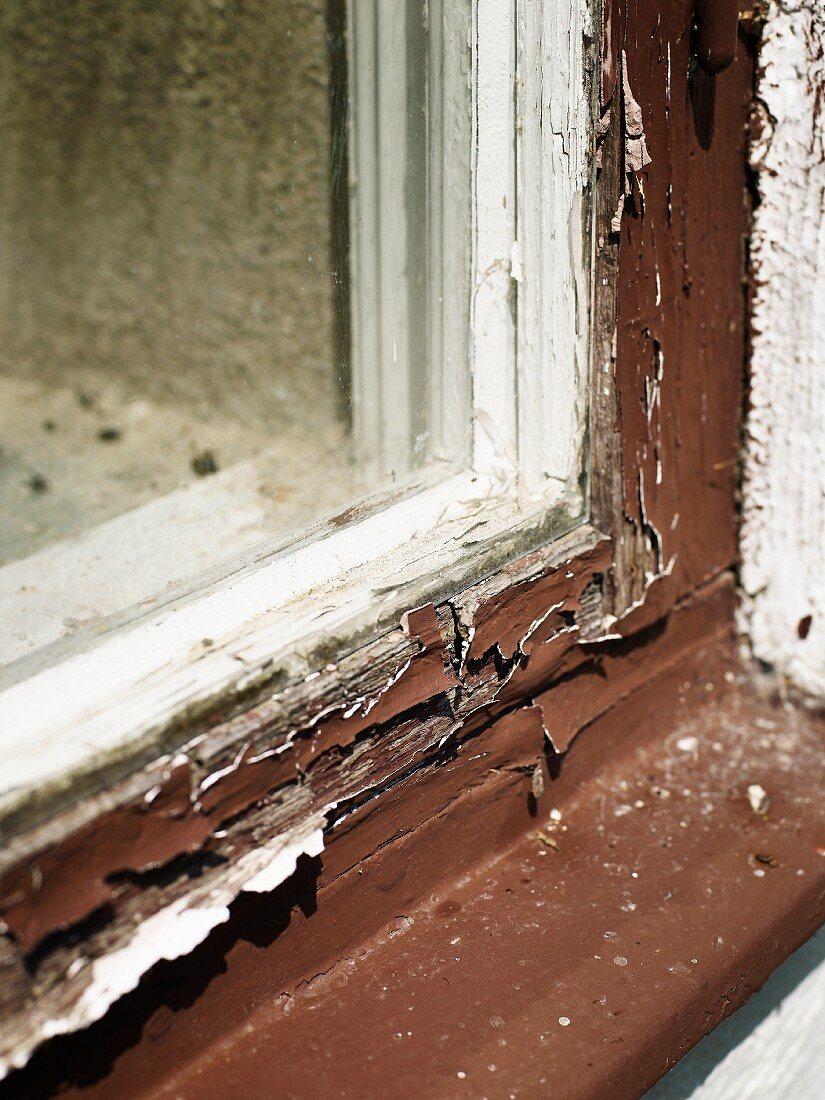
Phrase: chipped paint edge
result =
(172, 933)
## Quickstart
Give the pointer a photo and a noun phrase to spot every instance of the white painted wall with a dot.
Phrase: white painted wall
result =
(784, 499)
(771, 1049)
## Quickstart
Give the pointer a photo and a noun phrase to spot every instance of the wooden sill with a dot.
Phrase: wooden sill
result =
(645, 914)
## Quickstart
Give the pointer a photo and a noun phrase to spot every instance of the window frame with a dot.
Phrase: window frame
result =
(280, 615)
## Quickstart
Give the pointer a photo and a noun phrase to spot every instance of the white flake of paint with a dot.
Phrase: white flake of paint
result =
(284, 863)
(76, 966)
(169, 934)
(215, 776)
(758, 798)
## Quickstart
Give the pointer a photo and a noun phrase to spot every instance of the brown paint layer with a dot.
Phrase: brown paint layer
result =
(639, 915)
(717, 25)
(680, 342)
(70, 881)
(530, 609)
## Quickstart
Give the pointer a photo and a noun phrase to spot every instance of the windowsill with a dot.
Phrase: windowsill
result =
(268, 623)
(643, 915)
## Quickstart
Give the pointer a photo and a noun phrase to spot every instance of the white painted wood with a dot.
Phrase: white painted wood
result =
(554, 242)
(783, 530)
(771, 1049)
(134, 682)
(410, 206)
(381, 362)
(495, 439)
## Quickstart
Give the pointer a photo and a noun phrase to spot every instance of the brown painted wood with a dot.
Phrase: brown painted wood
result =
(656, 904)
(680, 358)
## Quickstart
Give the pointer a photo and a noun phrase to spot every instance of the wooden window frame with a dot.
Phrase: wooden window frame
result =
(531, 655)
(280, 617)
(268, 757)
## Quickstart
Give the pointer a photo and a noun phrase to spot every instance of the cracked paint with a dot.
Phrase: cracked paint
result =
(481, 685)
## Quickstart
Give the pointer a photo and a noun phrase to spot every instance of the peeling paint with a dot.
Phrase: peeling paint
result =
(168, 934)
(636, 155)
(284, 863)
(526, 658)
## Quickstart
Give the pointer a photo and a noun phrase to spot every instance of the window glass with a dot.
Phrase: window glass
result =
(233, 285)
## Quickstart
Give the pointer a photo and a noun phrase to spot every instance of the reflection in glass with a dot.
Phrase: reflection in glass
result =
(221, 283)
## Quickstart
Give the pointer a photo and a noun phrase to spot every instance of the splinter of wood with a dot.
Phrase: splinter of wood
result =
(717, 27)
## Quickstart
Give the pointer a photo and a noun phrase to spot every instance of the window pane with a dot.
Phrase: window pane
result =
(222, 282)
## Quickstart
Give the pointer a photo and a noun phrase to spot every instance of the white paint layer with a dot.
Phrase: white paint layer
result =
(555, 167)
(173, 932)
(284, 864)
(784, 501)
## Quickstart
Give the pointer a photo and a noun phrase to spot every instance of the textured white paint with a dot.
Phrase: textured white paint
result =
(555, 138)
(784, 502)
(771, 1049)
